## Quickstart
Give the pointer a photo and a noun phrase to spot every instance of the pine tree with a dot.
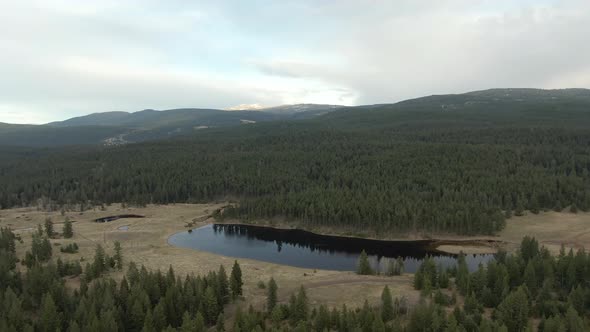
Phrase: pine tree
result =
(68, 230)
(271, 299)
(210, 306)
(363, 265)
(199, 322)
(99, 263)
(188, 324)
(50, 318)
(301, 307)
(513, 311)
(222, 286)
(49, 227)
(236, 280)
(148, 322)
(118, 257)
(462, 279)
(220, 325)
(386, 305)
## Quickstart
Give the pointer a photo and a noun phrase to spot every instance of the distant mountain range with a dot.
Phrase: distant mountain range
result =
(114, 128)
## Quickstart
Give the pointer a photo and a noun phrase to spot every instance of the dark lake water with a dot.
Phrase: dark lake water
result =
(309, 250)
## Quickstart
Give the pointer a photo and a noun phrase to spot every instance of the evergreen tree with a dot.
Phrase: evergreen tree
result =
(210, 306)
(271, 299)
(236, 280)
(99, 264)
(49, 321)
(300, 309)
(363, 265)
(222, 286)
(68, 230)
(118, 257)
(513, 311)
(462, 279)
(188, 324)
(49, 227)
(220, 325)
(386, 305)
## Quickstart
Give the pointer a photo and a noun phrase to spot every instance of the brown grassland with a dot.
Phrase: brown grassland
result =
(146, 243)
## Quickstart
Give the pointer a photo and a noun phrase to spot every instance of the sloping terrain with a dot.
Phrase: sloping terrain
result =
(115, 128)
(407, 168)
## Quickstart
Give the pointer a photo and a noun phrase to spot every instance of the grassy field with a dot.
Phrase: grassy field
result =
(146, 242)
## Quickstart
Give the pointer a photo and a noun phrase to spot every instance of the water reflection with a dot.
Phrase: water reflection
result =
(308, 250)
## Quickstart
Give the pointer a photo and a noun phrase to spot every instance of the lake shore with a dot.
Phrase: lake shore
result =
(445, 243)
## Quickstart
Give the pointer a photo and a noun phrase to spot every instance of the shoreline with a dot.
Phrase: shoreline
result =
(449, 245)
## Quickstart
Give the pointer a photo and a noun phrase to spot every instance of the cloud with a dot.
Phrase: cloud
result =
(68, 58)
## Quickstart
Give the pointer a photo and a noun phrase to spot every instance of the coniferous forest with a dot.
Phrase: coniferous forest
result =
(526, 291)
(457, 163)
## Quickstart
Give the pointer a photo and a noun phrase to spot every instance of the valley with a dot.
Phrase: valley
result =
(437, 184)
(145, 241)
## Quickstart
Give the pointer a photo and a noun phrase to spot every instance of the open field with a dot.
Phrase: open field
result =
(552, 229)
(145, 242)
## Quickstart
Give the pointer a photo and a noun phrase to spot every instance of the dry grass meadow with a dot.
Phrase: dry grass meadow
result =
(146, 242)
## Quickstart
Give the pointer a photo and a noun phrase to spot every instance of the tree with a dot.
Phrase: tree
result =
(462, 278)
(99, 263)
(363, 265)
(210, 306)
(50, 318)
(530, 278)
(68, 230)
(188, 324)
(271, 299)
(220, 325)
(49, 227)
(41, 248)
(573, 321)
(118, 257)
(300, 307)
(236, 280)
(513, 311)
(222, 285)
(148, 322)
(386, 305)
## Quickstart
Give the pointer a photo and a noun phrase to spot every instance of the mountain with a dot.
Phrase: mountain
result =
(459, 163)
(113, 128)
(149, 119)
(303, 108)
(565, 107)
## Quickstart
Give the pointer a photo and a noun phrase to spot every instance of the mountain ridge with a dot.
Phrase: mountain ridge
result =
(503, 105)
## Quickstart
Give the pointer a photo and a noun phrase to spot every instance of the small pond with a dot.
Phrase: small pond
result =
(309, 250)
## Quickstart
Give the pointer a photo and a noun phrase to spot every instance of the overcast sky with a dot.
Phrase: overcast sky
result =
(60, 59)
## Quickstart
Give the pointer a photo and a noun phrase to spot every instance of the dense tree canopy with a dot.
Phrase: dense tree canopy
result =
(389, 169)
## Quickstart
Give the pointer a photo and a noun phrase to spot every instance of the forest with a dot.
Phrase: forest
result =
(409, 167)
(525, 291)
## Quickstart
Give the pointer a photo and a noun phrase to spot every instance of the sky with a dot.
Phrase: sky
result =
(65, 58)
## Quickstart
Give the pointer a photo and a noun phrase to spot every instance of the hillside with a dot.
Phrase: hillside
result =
(114, 128)
(406, 167)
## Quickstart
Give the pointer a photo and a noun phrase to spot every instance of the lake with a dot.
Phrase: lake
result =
(309, 250)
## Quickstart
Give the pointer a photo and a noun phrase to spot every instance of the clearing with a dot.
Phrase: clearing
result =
(145, 241)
